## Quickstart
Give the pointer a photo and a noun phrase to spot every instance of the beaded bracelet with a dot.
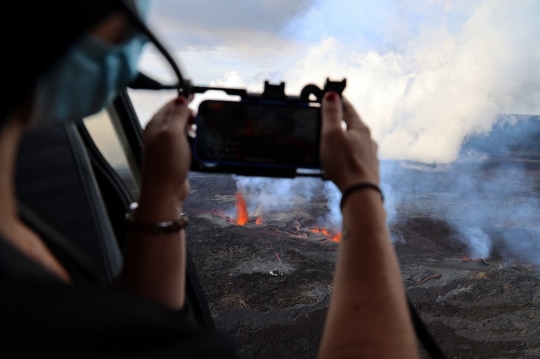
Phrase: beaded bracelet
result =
(357, 187)
(156, 227)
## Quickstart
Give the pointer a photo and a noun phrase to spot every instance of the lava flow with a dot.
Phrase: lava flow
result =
(259, 220)
(241, 210)
(334, 237)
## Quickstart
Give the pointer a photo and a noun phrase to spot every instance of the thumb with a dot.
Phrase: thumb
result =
(332, 112)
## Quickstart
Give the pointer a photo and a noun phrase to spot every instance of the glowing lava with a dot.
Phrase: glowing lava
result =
(258, 221)
(334, 237)
(241, 210)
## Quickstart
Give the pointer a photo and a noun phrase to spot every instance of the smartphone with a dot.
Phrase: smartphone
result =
(260, 133)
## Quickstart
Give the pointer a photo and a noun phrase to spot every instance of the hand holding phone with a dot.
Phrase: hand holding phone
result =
(265, 135)
(347, 157)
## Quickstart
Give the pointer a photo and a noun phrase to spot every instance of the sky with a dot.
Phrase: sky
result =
(423, 74)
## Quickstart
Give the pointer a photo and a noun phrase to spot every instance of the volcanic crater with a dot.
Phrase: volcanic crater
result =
(268, 276)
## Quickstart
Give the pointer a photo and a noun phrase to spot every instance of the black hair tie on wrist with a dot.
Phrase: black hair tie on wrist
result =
(357, 187)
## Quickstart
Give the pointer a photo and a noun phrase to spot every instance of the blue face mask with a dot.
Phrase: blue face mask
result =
(87, 78)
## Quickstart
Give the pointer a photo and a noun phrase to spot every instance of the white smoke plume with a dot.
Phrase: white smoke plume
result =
(479, 242)
(424, 90)
(425, 93)
(440, 84)
(332, 219)
(268, 195)
(425, 75)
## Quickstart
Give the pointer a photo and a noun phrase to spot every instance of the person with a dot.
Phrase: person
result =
(51, 309)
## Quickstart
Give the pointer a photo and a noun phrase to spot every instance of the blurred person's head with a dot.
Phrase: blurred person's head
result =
(89, 51)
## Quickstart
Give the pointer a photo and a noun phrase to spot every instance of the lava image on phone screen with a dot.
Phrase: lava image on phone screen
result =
(263, 133)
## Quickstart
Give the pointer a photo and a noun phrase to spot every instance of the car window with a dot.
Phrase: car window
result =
(101, 128)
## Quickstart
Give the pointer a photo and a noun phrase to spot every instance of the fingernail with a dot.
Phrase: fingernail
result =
(332, 96)
(180, 101)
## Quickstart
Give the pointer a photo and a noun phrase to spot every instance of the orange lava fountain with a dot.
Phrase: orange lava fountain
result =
(334, 237)
(241, 210)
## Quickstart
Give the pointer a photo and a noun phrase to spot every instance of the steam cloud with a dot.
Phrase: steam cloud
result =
(275, 195)
(491, 204)
(268, 196)
(427, 76)
(423, 94)
(434, 87)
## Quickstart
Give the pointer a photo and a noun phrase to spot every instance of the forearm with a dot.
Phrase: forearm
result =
(155, 265)
(368, 315)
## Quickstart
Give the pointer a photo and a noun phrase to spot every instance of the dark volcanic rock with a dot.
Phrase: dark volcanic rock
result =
(270, 291)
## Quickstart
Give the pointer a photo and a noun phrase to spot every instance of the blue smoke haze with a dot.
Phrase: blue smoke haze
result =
(489, 196)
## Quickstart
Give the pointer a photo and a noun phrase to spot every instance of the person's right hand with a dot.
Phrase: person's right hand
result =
(348, 157)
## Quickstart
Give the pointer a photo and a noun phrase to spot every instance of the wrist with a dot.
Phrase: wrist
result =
(364, 209)
(347, 181)
(356, 187)
(154, 228)
(157, 209)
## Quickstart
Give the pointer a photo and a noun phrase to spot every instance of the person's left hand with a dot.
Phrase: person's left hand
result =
(165, 163)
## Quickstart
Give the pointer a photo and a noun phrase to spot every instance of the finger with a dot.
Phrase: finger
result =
(173, 111)
(332, 112)
(180, 113)
(351, 117)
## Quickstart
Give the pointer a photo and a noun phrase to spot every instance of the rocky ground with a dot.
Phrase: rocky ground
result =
(269, 289)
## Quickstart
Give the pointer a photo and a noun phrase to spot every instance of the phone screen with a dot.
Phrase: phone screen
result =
(262, 133)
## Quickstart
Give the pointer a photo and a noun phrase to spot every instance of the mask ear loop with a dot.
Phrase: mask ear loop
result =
(184, 87)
